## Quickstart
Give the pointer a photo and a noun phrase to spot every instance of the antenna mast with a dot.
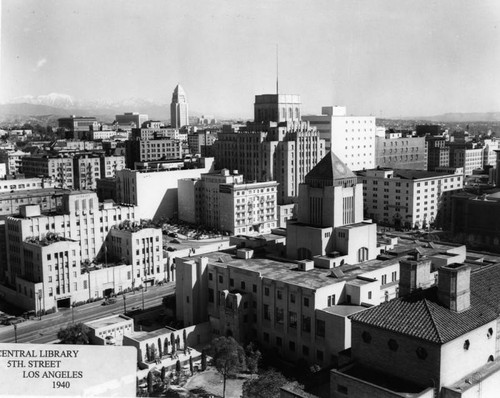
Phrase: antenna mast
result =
(277, 70)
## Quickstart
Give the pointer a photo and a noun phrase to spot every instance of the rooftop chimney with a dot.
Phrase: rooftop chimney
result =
(413, 274)
(454, 286)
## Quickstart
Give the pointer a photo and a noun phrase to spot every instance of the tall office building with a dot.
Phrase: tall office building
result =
(278, 146)
(351, 138)
(179, 109)
(277, 108)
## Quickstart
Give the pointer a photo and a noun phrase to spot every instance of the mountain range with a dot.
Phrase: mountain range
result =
(64, 105)
(49, 107)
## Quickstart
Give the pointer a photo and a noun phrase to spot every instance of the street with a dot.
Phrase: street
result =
(45, 330)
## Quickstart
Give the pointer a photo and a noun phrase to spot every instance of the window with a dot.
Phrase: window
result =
(384, 279)
(291, 345)
(211, 295)
(393, 345)
(394, 276)
(369, 295)
(231, 282)
(342, 389)
(489, 334)
(278, 341)
(306, 323)
(279, 315)
(267, 314)
(421, 352)
(242, 285)
(210, 276)
(331, 300)
(306, 301)
(279, 294)
(320, 328)
(221, 279)
(266, 291)
(292, 298)
(254, 288)
(466, 344)
(305, 350)
(292, 319)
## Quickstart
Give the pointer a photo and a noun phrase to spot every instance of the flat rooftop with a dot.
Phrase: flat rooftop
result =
(141, 336)
(108, 321)
(32, 192)
(344, 310)
(288, 272)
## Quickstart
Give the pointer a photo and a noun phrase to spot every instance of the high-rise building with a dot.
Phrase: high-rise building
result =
(179, 109)
(352, 138)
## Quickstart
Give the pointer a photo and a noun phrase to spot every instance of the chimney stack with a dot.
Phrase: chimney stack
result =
(454, 286)
(414, 274)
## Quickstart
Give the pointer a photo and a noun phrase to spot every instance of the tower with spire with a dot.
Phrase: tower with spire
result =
(179, 108)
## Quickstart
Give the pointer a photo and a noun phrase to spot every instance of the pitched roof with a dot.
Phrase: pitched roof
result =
(330, 169)
(420, 315)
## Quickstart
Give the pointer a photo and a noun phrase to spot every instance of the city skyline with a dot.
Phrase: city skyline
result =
(380, 58)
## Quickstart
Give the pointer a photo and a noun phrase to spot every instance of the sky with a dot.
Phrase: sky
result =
(386, 58)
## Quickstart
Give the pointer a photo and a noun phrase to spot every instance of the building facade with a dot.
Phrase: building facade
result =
(401, 152)
(134, 187)
(179, 108)
(408, 198)
(225, 202)
(284, 153)
(330, 218)
(352, 138)
(435, 342)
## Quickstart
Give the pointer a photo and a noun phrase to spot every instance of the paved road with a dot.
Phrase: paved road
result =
(45, 330)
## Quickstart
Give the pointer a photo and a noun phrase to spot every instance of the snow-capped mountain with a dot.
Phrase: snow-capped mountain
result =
(53, 99)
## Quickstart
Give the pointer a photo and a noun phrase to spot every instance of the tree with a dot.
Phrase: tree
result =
(153, 352)
(184, 339)
(148, 353)
(191, 365)
(266, 385)
(165, 346)
(172, 342)
(74, 334)
(163, 373)
(160, 352)
(178, 343)
(150, 382)
(203, 360)
(178, 368)
(228, 357)
(253, 358)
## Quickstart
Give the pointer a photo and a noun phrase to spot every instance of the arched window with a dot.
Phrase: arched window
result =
(362, 254)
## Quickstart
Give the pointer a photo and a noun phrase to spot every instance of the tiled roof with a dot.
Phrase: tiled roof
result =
(420, 315)
(330, 168)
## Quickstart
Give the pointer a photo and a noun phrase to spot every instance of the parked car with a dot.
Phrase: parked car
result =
(109, 301)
